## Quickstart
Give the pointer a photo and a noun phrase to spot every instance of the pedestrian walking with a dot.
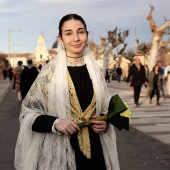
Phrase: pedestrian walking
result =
(167, 80)
(107, 76)
(155, 84)
(161, 71)
(5, 73)
(17, 75)
(69, 89)
(28, 76)
(40, 67)
(147, 74)
(10, 73)
(119, 73)
(138, 78)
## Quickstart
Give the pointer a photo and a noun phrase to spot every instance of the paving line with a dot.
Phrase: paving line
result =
(141, 116)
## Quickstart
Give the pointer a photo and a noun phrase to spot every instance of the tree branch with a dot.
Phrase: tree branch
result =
(164, 44)
(166, 32)
(153, 25)
(164, 26)
(123, 49)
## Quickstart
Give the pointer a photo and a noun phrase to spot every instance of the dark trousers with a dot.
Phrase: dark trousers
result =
(118, 77)
(137, 90)
(153, 92)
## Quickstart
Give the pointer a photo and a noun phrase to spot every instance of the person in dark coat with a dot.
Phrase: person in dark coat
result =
(28, 76)
(5, 73)
(137, 73)
(155, 84)
(119, 73)
(107, 76)
(10, 73)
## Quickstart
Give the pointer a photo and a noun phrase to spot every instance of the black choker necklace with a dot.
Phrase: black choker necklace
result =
(74, 57)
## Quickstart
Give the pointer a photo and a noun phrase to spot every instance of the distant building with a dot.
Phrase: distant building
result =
(39, 56)
(19, 57)
(41, 52)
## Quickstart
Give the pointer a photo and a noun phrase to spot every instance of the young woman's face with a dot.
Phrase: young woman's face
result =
(156, 68)
(74, 37)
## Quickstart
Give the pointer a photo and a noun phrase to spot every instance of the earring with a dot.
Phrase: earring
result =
(62, 47)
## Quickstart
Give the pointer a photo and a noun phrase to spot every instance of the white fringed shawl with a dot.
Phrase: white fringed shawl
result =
(49, 96)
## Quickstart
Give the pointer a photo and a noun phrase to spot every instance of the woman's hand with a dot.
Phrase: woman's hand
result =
(98, 126)
(66, 126)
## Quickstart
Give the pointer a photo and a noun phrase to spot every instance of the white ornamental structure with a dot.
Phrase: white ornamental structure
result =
(41, 52)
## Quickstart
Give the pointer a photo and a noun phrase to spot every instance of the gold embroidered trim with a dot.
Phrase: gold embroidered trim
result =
(78, 116)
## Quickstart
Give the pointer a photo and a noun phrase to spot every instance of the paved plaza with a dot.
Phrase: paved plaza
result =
(145, 147)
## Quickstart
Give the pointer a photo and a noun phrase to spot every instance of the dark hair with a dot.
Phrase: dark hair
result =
(155, 67)
(19, 63)
(69, 17)
(29, 61)
(159, 61)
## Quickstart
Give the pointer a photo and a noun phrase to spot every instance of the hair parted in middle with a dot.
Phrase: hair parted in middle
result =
(69, 17)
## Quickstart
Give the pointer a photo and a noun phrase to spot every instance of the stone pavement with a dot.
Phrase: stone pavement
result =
(151, 120)
(9, 124)
(144, 147)
(148, 141)
(4, 86)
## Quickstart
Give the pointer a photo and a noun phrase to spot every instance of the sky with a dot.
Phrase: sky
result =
(35, 17)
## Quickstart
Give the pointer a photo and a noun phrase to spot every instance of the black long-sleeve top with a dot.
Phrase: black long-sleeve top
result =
(84, 90)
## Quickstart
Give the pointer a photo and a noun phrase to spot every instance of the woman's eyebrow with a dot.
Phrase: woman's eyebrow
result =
(71, 30)
(67, 30)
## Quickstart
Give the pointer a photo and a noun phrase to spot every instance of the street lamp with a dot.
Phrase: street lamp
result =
(9, 43)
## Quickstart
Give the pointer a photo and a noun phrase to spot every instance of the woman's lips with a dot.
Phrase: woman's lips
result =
(77, 46)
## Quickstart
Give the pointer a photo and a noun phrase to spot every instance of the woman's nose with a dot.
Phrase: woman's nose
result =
(76, 37)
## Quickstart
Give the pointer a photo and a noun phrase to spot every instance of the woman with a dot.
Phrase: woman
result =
(70, 89)
(155, 84)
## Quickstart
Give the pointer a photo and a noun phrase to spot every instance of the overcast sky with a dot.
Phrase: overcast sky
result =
(34, 17)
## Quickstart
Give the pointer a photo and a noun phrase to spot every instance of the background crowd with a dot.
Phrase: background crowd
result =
(156, 81)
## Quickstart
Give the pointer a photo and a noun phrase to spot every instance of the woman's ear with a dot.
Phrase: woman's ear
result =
(60, 39)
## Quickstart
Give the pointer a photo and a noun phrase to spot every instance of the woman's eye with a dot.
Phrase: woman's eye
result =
(81, 32)
(68, 34)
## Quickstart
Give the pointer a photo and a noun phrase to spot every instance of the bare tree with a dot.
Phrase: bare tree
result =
(158, 33)
(129, 54)
(114, 38)
(95, 49)
(164, 44)
(121, 53)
